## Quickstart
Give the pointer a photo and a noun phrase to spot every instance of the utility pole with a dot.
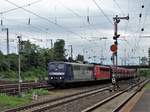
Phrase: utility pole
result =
(7, 31)
(71, 51)
(19, 67)
(51, 43)
(114, 47)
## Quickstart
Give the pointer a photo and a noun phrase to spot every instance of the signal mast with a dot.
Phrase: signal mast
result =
(114, 48)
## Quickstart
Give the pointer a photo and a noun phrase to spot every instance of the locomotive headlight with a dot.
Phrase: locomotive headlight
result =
(51, 77)
(60, 77)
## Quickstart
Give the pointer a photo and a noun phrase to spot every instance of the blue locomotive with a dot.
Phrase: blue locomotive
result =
(61, 73)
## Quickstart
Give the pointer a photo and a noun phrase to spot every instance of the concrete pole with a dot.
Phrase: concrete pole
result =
(7, 32)
(19, 66)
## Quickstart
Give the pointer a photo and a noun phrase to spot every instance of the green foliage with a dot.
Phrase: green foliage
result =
(12, 101)
(59, 50)
(34, 61)
(80, 58)
(31, 56)
(149, 56)
(39, 92)
(12, 60)
(8, 74)
(145, 72)
(147, 86)
(38, 73)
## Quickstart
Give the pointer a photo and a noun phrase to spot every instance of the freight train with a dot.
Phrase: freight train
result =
(62, 73)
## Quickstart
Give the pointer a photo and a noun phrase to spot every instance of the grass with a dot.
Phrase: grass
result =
(147, 86)
(15, 101)
(12, 101)
(39, 92)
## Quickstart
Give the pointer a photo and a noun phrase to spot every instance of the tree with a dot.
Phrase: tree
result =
(13, 61)
(149, 56)
(144, 61)
(3, 63)
(48, 55)
(70, 59)
(59, 50)
(31, 56)
(80, 58)
(1, 57)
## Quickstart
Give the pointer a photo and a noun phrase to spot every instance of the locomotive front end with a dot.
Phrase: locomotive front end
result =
(56, 73)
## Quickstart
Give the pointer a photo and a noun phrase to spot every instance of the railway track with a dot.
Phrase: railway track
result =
(45, 105)
(12, 88)
(115, 102)
(60, 102)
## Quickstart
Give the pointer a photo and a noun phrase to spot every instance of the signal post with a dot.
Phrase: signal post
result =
(114, 49)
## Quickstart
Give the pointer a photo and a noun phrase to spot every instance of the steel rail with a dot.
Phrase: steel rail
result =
(90, 109)
(128, 99)
(59, 101)
(12, 88)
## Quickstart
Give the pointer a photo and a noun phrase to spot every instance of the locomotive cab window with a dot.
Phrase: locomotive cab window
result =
(56, 66)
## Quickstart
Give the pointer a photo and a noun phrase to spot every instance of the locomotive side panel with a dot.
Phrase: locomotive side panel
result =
(102, 72)
(83, 72)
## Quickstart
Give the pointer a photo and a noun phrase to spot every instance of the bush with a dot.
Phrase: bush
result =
(36, 73)
(145, 73)
(8, 74)
(12, 101)
(39, 92)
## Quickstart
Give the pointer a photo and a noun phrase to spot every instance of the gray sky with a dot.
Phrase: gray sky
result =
(67, 19)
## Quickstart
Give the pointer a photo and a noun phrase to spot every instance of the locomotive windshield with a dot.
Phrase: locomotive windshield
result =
(55, 67)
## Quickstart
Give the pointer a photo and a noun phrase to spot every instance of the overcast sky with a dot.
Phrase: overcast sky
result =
(67, 19)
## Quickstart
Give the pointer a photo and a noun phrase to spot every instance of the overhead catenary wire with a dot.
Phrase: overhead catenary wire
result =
(23, 6)
(119, 7)
(38, 28)
(46, 19)
(78, 15)
(69, 9)
(101, 10)
(129, 26)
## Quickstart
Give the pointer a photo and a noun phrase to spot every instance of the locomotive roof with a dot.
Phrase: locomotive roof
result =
(72, 63)
(122, 68)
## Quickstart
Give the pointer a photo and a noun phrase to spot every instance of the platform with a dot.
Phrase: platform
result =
(143, 104)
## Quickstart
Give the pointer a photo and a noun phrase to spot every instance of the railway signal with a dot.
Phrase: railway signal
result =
(114, 47)
(116, 36)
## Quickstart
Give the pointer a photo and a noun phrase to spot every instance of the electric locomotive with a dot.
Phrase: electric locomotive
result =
(61, 73)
